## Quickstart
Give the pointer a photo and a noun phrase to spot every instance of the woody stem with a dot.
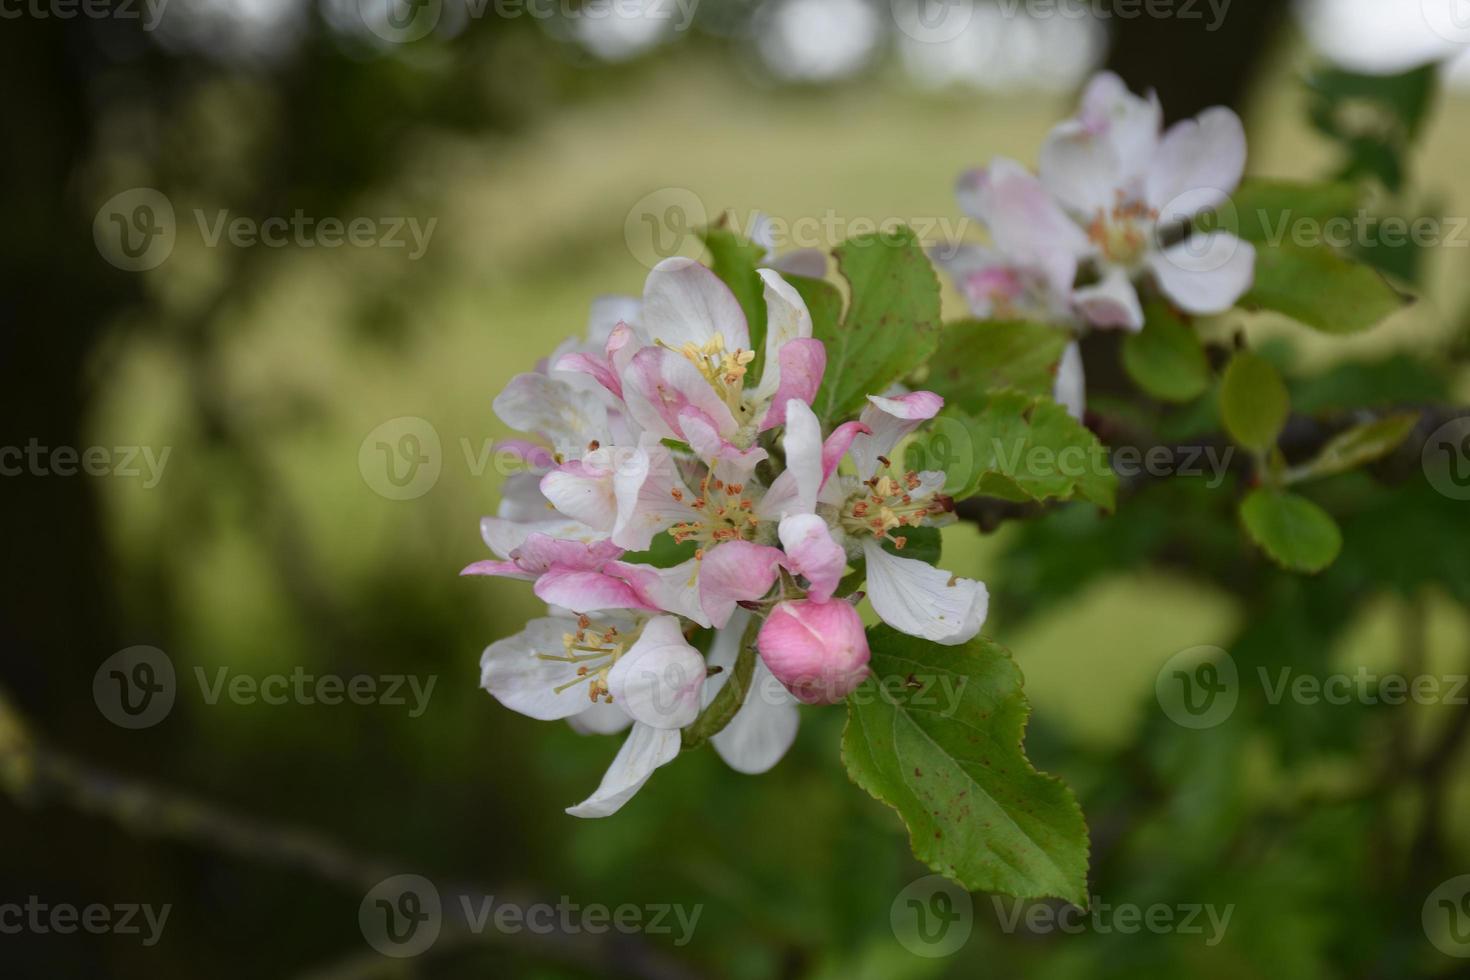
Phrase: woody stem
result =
(713, 719)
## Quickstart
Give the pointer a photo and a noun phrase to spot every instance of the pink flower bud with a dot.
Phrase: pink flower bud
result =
(817, 649)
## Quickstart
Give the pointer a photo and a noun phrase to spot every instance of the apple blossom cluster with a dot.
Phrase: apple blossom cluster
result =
(1111, 209)
(654, 433)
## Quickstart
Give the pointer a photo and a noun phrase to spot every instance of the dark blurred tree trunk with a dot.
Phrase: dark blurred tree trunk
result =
(1195, 62)
(59, 294)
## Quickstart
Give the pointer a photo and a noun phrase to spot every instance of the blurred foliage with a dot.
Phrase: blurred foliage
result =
(1323, 826)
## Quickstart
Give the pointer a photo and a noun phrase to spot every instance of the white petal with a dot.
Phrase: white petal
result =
(523, 682)
(1081, 169)
(644, 488)
(1129, 124)
(1025, 222)
(803, 445)
(607, 312)
(643, 751)
(1113, 302)
(922, 600)
(763, 730)
(503, 536)
(890, 419)
(600, 719)
(1070, 389)
(1198, 165)
(1206, 273)
(566, 416)
(658, 680)
(674, 590)
(787, 318)
(584, 490)
(684, 302)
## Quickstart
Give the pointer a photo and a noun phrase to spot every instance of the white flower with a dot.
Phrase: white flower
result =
(1114, 195)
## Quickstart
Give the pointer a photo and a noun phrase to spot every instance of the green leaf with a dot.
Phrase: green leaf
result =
(1267, 211)
(1166, 359)
(663, 552)
(936, 733)
(1016, 448)
(1374, 117)
(892, 321)
(735, 260)
(1319, 288)
(1293, 531)
(1253, 402)
(823, 301)
(1357, 446)
(976, 357)
(922, 543)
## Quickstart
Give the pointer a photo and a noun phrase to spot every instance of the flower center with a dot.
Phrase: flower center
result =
(594, 651)
(1122, 235)
(725, 515)
(888, 505)
(724, 370)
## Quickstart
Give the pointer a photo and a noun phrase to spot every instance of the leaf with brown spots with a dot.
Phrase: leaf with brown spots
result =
(976, 809)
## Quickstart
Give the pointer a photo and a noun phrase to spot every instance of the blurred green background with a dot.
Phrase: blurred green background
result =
(266, 546)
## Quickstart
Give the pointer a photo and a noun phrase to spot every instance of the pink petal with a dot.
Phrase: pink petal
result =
(889, 420)
(734, 571)
(837, 445)
(803, 361)
(541, 552)
(711, 447)
(668, 383)
(599, 368)
(586, 592)
(508, 569)
(811, 552)
(818, 650)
